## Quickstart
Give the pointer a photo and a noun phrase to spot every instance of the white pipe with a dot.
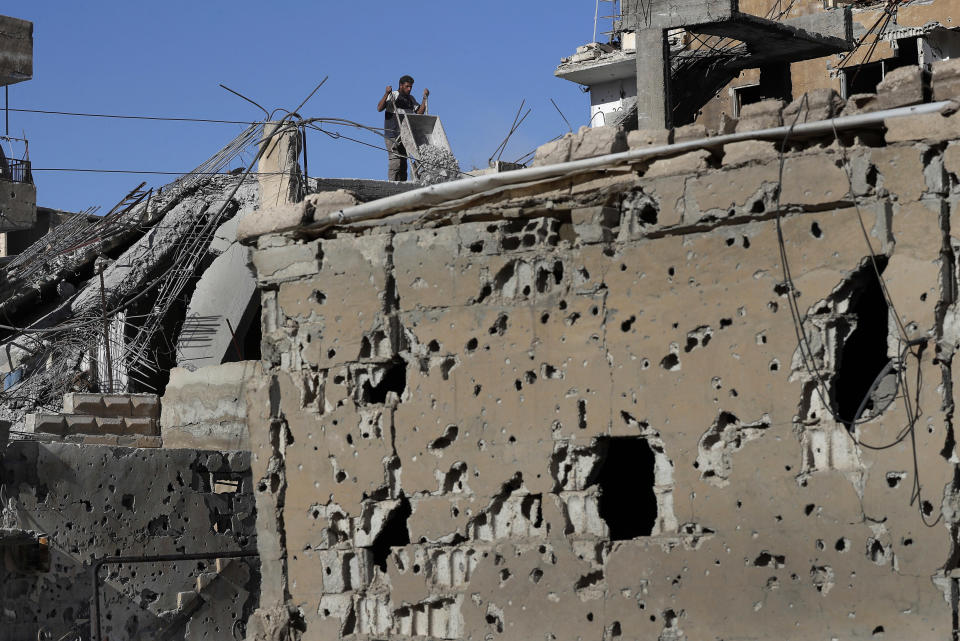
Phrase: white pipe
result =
(436, 194)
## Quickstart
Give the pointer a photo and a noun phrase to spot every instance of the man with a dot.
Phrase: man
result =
(398, 101)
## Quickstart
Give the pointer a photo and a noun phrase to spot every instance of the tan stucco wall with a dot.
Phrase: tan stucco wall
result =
(458, 383)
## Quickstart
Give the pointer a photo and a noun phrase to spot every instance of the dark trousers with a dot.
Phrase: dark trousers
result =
(397, 165)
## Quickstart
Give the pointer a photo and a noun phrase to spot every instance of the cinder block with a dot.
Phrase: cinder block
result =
(819, 104)
(861, 103)
(554, 152)
(145, 405)
(144, 426)
(110, 425)
(82, 403)
(901, 87)
(923, 127)
(693, 131)
(115, 405)
(738, 153)
(81, 424)
(204, 579)
(598, 141)
(649, 138)
(45, 424)
(946, 79)
(761, 115)
(692, 162)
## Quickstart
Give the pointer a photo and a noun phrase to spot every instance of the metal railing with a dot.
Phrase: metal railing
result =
(17, 171)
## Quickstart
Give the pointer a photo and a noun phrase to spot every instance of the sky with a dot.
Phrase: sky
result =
(479, 60)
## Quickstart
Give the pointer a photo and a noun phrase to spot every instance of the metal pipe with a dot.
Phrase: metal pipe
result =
(6, 106)
(156, 558)
(106, 335)
(419, 199)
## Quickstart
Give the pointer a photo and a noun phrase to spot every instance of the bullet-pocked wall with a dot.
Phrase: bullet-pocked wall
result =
(577, 409)
(98, 502)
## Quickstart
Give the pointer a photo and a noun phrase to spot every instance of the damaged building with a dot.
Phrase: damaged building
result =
(665, 383)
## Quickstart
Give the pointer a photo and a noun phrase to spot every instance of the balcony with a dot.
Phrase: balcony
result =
(17, 171)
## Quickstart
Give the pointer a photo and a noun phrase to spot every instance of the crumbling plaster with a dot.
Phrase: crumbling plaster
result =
(443, 390)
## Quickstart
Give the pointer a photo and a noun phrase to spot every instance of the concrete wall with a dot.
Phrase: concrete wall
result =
(16, 50)
(18, 206)
(92, 502)
(577, 409)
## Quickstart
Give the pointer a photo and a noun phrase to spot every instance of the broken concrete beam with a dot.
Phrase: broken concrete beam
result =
(761, 115)
(945, 79)
(597, 141)
(819, 104)
(206, 409)
(287, 216)
(861, 103)
(901, 87)
(923, 127)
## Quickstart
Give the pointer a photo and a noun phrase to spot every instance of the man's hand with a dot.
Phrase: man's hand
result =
(388, 91)
(426, 94)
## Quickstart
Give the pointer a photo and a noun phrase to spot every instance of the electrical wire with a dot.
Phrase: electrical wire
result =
(911, 408)
(127, 117)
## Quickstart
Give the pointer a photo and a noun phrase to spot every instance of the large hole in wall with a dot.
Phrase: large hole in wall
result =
(863, 354)
(394, 533)
(625, 476)
(394, 380)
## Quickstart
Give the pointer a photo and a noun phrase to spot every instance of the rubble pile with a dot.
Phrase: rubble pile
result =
(437, 165)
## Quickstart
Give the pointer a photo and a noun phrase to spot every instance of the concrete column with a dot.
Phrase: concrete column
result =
(279, 170)
(653, 79)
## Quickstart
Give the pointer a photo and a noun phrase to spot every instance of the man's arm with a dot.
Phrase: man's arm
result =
(422, 109)
(383, 101)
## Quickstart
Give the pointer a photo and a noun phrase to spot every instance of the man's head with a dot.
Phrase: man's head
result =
(406, 85)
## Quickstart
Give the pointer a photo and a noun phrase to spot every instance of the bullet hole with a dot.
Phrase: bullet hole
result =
(449, 436)
(128, 501)
(535, 575)
(318, 297)
(472, 344)
(774, 365)
(476, 390)
(623, 267)
(725, 323)
(730, 242)
(595, 311)
(394, 533)
(878, 631)
(876, 552)
(758, 207)
(544, 318)
(338, 380)
(671, 272)
(746, 243)
(549, 371)
(765, 560)
(589, 616)
(907, 542)
(842, 545)
(815, 230)
(670, 362)
(476, 247)
(819, 544)
(504, 575)
(923, 297)
(864, 353)
(625, 478)
(499, 326)
(433, 346)
(761, 339)
(894, 478)
(647, 214)
(340, 476)
(526, 290)
(773, 306)
(615, 630)
(927, 508)
(518, 384)
(331, 353)
(571, 319)
(699, 337)
(485, 292)
(394, 380)
(494, 620)
(582, 414)
(627, 324)
(733, 392)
